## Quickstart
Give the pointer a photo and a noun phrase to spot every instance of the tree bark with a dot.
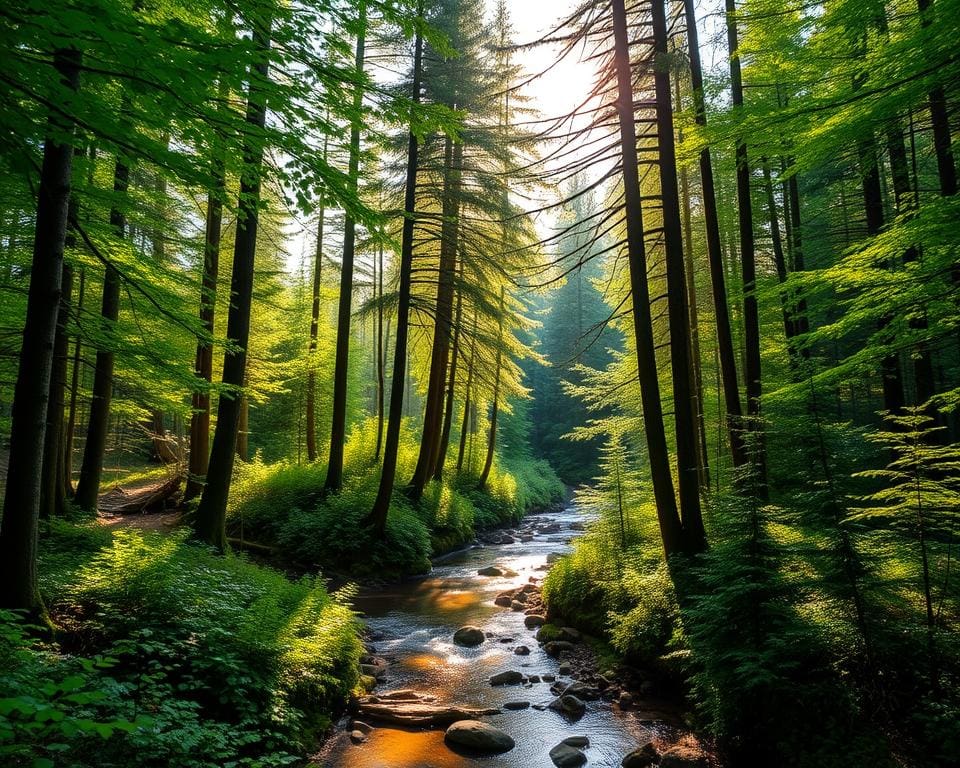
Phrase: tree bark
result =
(468, 394)
(440, 353)
(311, 410)
(21, 504)
(52, 497)
(441, 456)
(209, 522)
(338, 429)
(748, 265)
(725, 347)
(74, 393)
(495, 408)
(380, 355)
(681, 360)
(696, 371)
(671, 531)
(203, 364)
(377, 518)
(98, 425)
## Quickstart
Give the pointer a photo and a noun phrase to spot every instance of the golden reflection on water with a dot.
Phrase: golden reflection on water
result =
(392, 748)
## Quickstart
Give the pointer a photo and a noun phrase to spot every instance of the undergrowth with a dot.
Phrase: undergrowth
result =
(283, 506)
(167, 654)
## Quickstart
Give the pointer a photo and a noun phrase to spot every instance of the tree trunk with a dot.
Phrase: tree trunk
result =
(203, 364)
(893, 395)
(681, 360)
(311, 414)
(451, 387)
(440, 354)
(725, 347)
(21, 504)
(696, 372)
(495, 408)
(940, 120)
(52, 498)
(380, 355)
(377, 518)
(98, 425)
(751, 314)
(671, 531)
(467, 403)
(338, 429)
(210, 519)
(74, 393)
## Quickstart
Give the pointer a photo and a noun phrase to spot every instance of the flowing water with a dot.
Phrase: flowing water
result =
(414, 624)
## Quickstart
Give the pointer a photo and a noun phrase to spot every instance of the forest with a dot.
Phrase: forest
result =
(408, 383)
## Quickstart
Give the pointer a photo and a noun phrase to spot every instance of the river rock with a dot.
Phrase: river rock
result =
(358, 737)
(359, 725)
(580, 742)
(533, 678)
(490, 570)
(504, 599)
(478, 736)
(510, 677)
(417, 713)
(565, 756)
(570, 634)
(516, 605)
(556, 647)
(405, 694)
(577, 526)
(642, 757)
(565, 669)
(372, 670)
(520, 596)
(626, 700)
(548, 678)
(582, 691)
(568, 705)
(521, 650)
(534, 620)
(468, 636)
(516, 705)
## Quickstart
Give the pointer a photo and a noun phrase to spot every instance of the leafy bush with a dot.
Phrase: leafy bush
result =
(175, 656)
(283, 505)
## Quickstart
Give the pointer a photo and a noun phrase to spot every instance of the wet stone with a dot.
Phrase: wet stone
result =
(565, 756)
(510, 677)
(516, 705)
(475, 735)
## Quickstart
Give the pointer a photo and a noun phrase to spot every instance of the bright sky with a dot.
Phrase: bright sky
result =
(564, 86)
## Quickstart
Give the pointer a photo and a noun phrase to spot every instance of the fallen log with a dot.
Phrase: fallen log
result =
(150, 498)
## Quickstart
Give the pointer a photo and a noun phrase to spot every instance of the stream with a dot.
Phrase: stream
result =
(412, 626)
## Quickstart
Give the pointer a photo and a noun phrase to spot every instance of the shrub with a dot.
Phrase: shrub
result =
(232, 663)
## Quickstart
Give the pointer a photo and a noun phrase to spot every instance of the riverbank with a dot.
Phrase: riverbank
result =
(423, 671)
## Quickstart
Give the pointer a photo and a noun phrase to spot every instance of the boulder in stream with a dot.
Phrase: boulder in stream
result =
(478, 736)
(516, 705)
(642, 757)
(556, 647)
(504, 599)
(580, 742)
(521, 650)
(566, 756)
(569, 705)
(469, 636)
(510, 677)
(490, 570)
(534, 620)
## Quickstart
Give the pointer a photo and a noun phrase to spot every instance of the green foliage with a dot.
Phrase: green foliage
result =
(283, 505)
(171, 655)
